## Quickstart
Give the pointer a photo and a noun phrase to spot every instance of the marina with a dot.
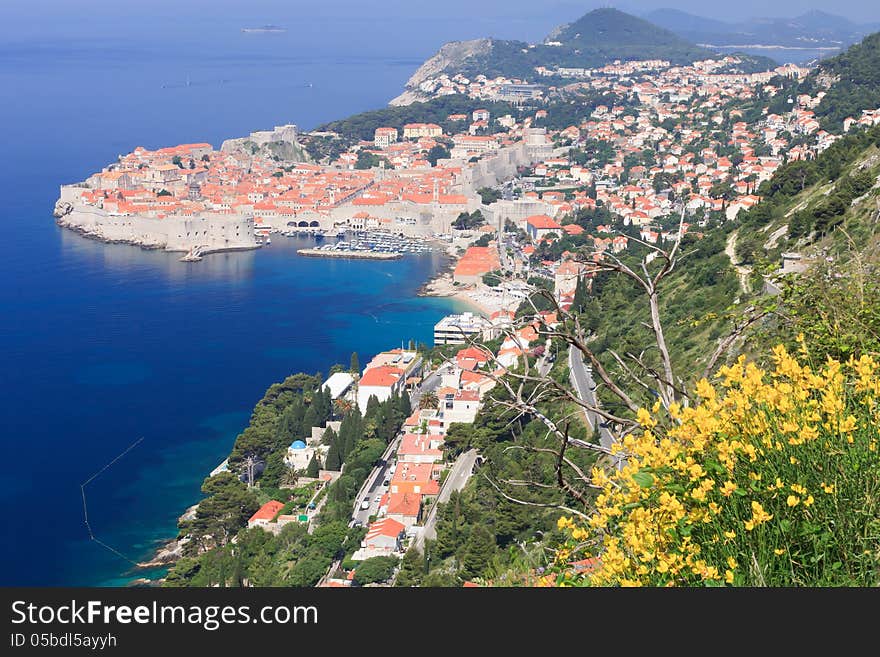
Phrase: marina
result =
(377, 245)
(346, 253)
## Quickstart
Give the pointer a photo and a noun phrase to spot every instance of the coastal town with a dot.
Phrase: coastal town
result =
(396, 503)
(667, 138)
(669, 150)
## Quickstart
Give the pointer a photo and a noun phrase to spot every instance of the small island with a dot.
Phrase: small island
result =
(264, 29)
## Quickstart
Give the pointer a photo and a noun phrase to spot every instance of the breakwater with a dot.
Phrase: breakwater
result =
(355, 255)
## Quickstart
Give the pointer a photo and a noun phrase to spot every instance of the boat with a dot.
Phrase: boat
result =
(193, 255)
(268, 240)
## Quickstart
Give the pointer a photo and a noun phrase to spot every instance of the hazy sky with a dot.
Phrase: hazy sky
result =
(857, 10)
(435, 21)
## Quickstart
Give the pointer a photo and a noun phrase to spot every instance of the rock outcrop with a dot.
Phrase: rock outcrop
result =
(448, 59)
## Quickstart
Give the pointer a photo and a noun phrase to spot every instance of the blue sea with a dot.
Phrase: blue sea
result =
(104, 345)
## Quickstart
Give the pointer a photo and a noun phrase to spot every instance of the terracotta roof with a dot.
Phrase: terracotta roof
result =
(542, 221)
(383, 376)
(385, 527)
(477, 260)
(404, 504)
(267, 511)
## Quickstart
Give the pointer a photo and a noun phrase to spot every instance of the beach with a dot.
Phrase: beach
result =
(481, 298)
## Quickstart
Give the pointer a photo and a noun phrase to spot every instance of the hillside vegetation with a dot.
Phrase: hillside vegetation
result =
(856, 75)
(807, 201)
(597, 38)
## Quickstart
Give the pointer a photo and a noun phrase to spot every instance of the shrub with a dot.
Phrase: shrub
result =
(772, 479)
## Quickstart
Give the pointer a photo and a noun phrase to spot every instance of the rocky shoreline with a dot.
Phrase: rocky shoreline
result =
(167, 554)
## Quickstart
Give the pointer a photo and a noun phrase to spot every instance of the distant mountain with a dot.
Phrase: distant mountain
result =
(597, 38)
(679, 21)
(812, 35)
(609, 32)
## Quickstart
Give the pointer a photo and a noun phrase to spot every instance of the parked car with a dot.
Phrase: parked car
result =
(365, 504)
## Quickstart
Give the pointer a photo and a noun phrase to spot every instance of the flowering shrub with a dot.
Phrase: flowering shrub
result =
(773, 478)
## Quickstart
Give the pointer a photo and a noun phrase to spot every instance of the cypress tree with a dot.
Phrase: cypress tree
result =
(313, 467)
(372, 408)
(405, 406)
(333, 460)
(310, 419)
(329, 436)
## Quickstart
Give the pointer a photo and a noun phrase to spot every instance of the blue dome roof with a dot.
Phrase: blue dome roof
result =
(297, 444)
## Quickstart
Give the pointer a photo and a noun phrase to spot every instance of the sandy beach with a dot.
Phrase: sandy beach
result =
(481, 298)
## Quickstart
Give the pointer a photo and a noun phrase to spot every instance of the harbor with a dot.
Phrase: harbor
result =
(366, 245)
(347, 253)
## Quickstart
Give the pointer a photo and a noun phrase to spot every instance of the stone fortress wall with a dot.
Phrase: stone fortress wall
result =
(211, 232)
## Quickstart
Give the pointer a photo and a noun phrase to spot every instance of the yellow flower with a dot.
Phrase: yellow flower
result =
(564, 522)
(731, 562)
(797, 488)
(759, 516)
(778, 551)
(644, 418)
(792, 501)
(809, 501)
(696, 471)
(729, 534)
(728, 576)
(828, 488)
(705, 390)
(728, 488)
(848, 424)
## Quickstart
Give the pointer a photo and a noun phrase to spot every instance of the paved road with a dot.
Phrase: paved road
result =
(373, 488)
(456, 480)
(429, 384)
(582, 380)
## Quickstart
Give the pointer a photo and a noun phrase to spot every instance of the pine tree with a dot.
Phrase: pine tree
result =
(478, 551)
(354, 366)
(411, 569)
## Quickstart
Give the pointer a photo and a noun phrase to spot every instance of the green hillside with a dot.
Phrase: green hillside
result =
(597, 38)
(826, 205)
(856, 86)
(610, 34)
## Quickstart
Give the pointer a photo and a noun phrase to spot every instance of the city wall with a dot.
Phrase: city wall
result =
(210, 232)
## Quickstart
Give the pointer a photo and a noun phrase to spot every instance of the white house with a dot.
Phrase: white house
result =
(379, 382)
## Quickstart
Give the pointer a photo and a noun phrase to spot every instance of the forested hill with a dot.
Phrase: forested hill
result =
(608, 34)
(597, 38)
(855, 77)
